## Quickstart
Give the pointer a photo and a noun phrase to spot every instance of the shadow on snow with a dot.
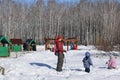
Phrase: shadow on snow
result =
(42, 65)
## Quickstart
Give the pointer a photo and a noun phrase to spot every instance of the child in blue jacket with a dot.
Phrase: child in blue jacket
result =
(87, 62)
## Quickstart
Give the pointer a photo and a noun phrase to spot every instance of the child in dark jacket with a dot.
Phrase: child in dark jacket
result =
(87, 62)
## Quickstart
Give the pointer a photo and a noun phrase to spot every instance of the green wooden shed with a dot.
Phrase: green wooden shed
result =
(16, 45)
(30, 44)
(4, 46)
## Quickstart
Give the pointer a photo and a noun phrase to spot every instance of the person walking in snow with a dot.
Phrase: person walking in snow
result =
(87, 62)
(60, 50)
(111, 62)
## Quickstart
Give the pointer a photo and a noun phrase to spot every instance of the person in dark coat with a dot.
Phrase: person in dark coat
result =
(60, 50)
(87, 62)
(25, 46)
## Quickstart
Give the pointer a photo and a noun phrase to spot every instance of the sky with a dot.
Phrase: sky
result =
(41, 64)
(68, 0)
(61, 1)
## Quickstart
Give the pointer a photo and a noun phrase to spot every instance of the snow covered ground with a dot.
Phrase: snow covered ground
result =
(41, 64)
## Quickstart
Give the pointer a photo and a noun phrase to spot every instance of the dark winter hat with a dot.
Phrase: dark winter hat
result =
(87, 54)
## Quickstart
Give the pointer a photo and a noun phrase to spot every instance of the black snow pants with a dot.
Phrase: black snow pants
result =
(60, 62)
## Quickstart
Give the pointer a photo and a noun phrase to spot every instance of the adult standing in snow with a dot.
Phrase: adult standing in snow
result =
(111, 63)
(60, 50)
(87, 62)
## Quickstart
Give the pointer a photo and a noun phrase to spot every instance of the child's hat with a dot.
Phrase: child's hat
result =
(87, 54)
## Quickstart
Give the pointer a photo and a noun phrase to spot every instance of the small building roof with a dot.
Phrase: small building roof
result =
(31, 41)
(16, 41)
(4, 39)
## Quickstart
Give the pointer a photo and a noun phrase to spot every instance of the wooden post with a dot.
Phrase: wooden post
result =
(67, 46)
(2, 70)
(16, 54)
(46, 42)
(45, 46)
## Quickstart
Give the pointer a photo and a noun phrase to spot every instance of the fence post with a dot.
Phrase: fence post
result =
(2, 70)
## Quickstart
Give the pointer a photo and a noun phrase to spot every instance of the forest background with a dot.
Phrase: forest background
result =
(93, 22)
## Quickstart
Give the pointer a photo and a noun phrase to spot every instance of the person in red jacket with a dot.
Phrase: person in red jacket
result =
(60, 50)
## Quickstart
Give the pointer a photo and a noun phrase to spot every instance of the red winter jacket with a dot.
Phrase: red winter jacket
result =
(59, 45)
